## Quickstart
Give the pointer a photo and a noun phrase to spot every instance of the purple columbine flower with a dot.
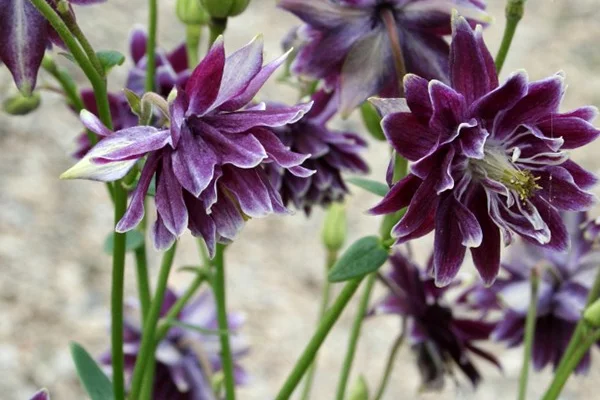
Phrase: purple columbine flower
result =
(331, 153)
(186, 359)
(486, 159)
(439, 337)
(25, 36)
(208, 162)
(41, 395)
(172, 68)
(565, 280)
(348, 42)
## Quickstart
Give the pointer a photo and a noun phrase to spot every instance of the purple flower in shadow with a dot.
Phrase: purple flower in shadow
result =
(25, 36)
(186, 359)
(41, 395)
(331, 153)
(566, 277)
(486, 159)
(439, 337)
(209, 161)
(347, 42)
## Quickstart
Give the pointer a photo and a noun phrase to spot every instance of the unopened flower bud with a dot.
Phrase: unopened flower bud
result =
(591, 315)
(191, 12)
(225, 8)
(360, 390)
(334, 228)
(21, 105)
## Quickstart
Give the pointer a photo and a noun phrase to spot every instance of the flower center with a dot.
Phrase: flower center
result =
(496, 165)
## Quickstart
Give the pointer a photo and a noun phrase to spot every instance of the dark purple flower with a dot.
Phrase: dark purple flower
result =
(486, 159)
(347, 42)
(565, 281)
(25, 36)
(440, 338)
(186, 359)
(331, 153)
(209, 161)
(172, 68)
(41, 395)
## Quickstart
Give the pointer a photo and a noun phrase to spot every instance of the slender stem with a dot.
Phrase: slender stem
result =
(163, 328)
(193, 35)
(220, 297)
(148, 385)
(563, 367)
(151, 47)
(83, 41)
(514, 12)
(309, 353)
(217, 27)
(560, 378)
(392, 30)
(331, 259)
(354, 335)
(148, 333)
(529, 335)
(389, 366)
(143, 281)
(67, 85)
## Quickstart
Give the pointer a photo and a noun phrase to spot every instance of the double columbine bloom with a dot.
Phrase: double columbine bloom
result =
(209, 161)
(351, 44)
(25, 36)
(186, 359)
(331, 153)
(488, 160)
(565, 280)
(438, 336)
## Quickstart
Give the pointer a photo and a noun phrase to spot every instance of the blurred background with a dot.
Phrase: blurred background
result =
(55, 278)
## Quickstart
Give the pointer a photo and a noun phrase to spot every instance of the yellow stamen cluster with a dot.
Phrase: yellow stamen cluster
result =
(522, 182)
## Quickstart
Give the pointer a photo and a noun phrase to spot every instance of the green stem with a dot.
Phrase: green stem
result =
(148, 385)
(309, 353)
(354, 335)
(151, 46)
(66, 84)
(193, 35)
(220, 297)
(83, 41)
(562, 371)
(146, 352)
(331, 259)
(514, 12)
(143, 281)
(389, 366)
(217, 27)
(529, 335)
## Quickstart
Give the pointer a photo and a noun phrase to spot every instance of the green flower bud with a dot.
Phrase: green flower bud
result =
(334, 228)
(21, 105)
(591, 315)
(360, 390)
(225, 8)
(191, 12)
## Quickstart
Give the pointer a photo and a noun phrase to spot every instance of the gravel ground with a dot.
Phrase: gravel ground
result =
(55, 277)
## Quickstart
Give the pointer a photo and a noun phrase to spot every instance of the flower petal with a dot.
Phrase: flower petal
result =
(204, 84)
(408, 136)
(281, 154)
(169, 199)
(449, 252)
(398, 197)
(576, 132)
(503, 97)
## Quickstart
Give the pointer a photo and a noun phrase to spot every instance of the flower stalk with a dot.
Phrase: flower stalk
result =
(310, 351)
(151, 47)
(514, 13)
(389, 366)
(529, 334)
(217, 27)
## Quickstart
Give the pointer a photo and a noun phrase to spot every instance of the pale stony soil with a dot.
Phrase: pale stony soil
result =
(55, 277)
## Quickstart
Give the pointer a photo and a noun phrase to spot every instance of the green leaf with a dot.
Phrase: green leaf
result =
(134, 239)
(110, 59)
(364, 256)
(378, 188)
(372, 120)
(96, 384)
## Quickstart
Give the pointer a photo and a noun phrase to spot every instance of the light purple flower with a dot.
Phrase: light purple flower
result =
(25, 36)
(331, 153)
(186, 359)
(486, 159)
(41, 395)
(347, 44)
(439, 337)
(565, 281)
(208, 162)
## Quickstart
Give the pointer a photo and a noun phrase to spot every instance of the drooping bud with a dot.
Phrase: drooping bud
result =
(225, 8)
(191, 12)
(21, 105)
(335, 227)
(360, 390)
